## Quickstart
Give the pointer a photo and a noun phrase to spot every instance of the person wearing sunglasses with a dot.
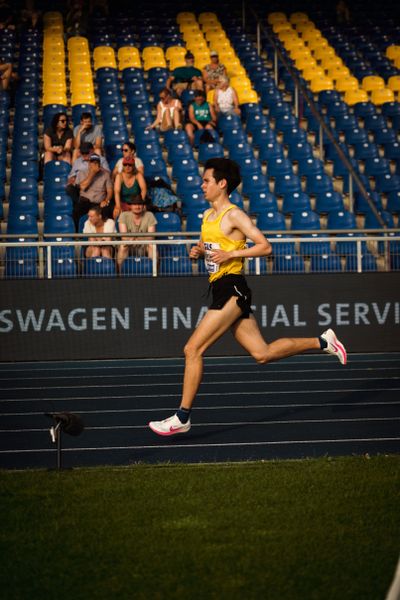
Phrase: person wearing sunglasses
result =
(169, 112)
(86, 131)
(128, 184)
(128, 151)
(58, 139)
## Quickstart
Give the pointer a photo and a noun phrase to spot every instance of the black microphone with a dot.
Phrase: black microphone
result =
(68, 422)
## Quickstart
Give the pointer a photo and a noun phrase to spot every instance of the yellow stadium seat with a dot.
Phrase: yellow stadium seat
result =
(298, 17)
(222, 47)
(127, 62)
(83, 72)
(288, 35)
(321, 42)
(276, 17)
(352, 97)
(175, 52)
(82, 99)
(54, 98)
(320, 83)
(211, 26)
(201, 59)
(307, 26)
(52, 15)
(210, 96)
(226, 56)
(194, 38)
(188, 28)
(247, 95)
(55, 85)
(207, 16)
(311, 36)
(372, 82)
(306, 62)
(331, 62)
(103, 52)
(185, 16)
(156, 61)
(128, 52)
(394, 84)
(152, 52)
(279, 27)
(55, 28)
(346, 83)
(105, 62)
(240, 83)
(54, 41)
(293, 46)
(214, 35)
(382, 96)
(311, 72)
(78, 42)
(397, 62)
(234, 67)
(197, 46)
(323, 52)
(176, 62)
(336, 73)
(392, 51)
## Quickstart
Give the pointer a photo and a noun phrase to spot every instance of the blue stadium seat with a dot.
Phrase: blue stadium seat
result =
(317, 184)
(271, 221)
(288, 263)
(252, 265)
(99, 267)
(24, 203)
(199, 133)
(264, 136)
(20, 269)
(371, 222)
(228, 122)
(155, 167)
(194, 202)
(207, 151)
(260, 201)
(361, 206)
(366, 150)
(277, 167)
(22, 224)
(328, 201)
(385, 136)
(393, 202)
(295, 201)
(377, 166)
(310, 166)
(323, 263)
(194, 221)
(387, 183)
(270, 150)
(232, 137)
(368, 262)
(300, 151)
(240, 151)
(175, 266)
(58, 203)
(286, 184)
(174, 137)
(282, 246)
(254, 183)
(63, 268)
(183, 167)
(58, 224)
(137, 266)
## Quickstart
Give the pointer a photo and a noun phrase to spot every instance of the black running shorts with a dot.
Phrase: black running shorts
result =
(231, 285)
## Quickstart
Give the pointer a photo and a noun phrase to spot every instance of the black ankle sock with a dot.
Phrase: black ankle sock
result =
(323, 343)
(183, 414)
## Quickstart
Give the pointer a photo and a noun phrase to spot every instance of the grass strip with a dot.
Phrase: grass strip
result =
(324, 529)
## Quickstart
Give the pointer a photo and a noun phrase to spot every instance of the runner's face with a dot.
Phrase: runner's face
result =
(210, 187)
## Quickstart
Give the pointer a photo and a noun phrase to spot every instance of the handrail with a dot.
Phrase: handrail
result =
(317, 115)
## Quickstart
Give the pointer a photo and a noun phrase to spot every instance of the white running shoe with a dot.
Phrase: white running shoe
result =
(169, 426)
(334, 346)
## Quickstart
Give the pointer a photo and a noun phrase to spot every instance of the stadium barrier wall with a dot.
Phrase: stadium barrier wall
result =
(153, 317)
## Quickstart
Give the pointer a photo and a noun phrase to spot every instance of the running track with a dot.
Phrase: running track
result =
(304, 406)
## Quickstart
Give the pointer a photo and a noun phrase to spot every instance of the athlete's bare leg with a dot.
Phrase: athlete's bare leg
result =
(248, 334)
(211, 328)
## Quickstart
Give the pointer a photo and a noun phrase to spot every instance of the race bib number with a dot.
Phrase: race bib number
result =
(211, 266)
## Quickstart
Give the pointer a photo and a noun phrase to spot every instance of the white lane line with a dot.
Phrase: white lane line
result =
(204, 383)
(209, 361)
(216, 445)
(229, 407)
(205, 394)
(219, 424)
(247, 372)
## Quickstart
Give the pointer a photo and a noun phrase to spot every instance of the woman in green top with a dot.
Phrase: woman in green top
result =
(201, 115)
(127, 185)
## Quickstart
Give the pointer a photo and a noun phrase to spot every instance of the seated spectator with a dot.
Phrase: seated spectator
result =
(95, 189)
(128, 185)
(81, 165)
(6, 74)
(169, 112)
(129, 151)
(58, 139)
(87, 132)
(96, 224)
(213, 71)
(226, 100)
(201, 115)
(137, 220)
(185, 78)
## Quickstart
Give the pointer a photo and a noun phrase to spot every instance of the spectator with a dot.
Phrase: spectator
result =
(96, 224)
(169, 111)
(58, 139)
(6, 75)
(226, 100)
(81, 165)
(137, 220)
(185, 78)
(95, 189)
(87, 132)
(213, 71)
(129, 151)
(201, 115)
(128, 185)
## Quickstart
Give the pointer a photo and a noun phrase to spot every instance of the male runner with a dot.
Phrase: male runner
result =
(224, 232)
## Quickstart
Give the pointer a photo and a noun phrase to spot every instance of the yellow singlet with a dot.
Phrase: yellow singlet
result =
(214, 239)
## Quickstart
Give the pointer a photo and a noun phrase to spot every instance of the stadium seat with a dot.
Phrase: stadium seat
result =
(20, 269)
(62, 268)
(137, 266)
(287, 184)
(326, 202)
(368, 263)
(260, 201)
(175, 266)
(99, 267)
(323, 263)
(271, 221)
(294, 201)
(288, 263)
(211, 150)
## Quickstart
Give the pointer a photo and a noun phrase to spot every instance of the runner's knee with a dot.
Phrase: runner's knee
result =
(191, 350)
